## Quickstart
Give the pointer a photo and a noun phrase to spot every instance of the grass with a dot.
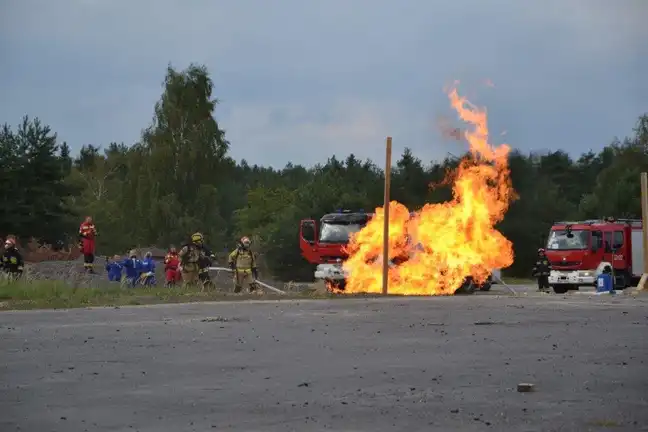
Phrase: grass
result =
(51, 294)
(48, 294)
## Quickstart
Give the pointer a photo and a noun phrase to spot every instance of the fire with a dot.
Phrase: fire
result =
(436, 248)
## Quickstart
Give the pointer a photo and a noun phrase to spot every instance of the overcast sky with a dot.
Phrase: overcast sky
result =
(301, 80)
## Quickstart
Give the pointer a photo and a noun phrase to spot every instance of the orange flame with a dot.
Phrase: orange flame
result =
(436, 248)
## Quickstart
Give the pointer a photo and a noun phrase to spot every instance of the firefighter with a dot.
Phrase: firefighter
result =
(190, 255)
(205, 261)
(87, 234)
(12, 260)
(242, 261)
(171, 267)
(541, 271)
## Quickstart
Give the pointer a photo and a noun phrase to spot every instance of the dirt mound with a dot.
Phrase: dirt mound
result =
(34, 252)
(71, 272)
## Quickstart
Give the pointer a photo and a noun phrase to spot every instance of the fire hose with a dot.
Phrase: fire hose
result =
(500, 281)
(257, 281)
(278, 291)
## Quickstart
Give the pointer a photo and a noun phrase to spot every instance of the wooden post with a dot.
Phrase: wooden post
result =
(644, 220)
(385, 279)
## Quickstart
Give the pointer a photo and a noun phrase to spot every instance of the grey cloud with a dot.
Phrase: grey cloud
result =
(302, 80)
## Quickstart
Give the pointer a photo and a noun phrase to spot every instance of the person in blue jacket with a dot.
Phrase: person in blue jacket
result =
(114, 269)
(133, 267)
(605, 281)
(148, 270)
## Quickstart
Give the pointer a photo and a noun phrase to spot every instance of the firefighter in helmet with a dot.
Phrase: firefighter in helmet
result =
(242, 261)
(189, 256)
(541, 270)
(205, 260)
(12, 261)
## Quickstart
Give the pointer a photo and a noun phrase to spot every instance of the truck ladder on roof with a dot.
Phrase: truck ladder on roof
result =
(632, 222)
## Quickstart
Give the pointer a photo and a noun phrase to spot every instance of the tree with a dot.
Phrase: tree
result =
(182, 153)
(617, 185)
(34, 189)
(10, 177)
(184, 140)
(66, 159)
(410, 181)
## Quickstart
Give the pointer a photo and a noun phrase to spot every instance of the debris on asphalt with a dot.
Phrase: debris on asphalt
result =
(215, 319)
(223, 319)
(483, 323)
(525, 388)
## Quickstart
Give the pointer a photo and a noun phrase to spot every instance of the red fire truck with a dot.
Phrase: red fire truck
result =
(324, 244)
(579, 250)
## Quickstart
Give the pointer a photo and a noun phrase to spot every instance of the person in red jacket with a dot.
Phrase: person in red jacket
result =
(87, 234)
(172, 267)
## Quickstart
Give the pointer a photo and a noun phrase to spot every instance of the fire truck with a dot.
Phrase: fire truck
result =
(323, 245)
(579, 251)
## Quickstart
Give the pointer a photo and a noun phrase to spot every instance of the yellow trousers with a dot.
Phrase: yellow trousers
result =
(189, 277)
(243, 277)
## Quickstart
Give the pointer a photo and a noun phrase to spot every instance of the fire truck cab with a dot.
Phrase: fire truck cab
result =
(324, 244)
(579, 250)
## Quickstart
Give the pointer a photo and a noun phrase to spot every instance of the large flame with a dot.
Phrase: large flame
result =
(433, 250)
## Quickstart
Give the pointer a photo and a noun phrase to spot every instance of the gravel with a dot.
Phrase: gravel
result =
(73, 273)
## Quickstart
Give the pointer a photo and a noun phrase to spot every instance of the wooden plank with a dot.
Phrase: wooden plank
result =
(385, 275)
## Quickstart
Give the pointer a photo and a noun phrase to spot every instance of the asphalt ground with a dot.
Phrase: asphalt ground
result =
(377, 364)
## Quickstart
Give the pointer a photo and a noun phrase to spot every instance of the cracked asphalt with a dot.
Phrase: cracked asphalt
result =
(390, 364)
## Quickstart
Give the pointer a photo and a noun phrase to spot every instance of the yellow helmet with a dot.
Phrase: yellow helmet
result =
(197, 237)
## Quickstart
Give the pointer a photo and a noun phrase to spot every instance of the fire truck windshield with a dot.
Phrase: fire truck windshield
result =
(337, 232)
(559, 240)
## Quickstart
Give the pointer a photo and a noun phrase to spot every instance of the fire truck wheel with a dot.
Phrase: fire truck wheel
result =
(560, 289)
(623, 281)
(485, 287)
(468, 287)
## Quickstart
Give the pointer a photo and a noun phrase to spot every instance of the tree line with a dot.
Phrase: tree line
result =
(179, 178)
